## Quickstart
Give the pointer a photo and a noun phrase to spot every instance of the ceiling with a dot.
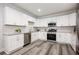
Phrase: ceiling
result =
(46, 8)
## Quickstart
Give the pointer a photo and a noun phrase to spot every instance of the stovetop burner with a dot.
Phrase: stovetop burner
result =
(52, 30)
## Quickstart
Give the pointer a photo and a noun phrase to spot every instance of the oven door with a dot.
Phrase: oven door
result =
(51, 37)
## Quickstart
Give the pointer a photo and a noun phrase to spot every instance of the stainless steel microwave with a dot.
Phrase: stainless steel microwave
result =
(51, 24)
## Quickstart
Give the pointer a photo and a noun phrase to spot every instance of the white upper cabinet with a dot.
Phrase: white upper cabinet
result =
(41, 23)
(31, 19)
(22, 21)
(25, 19)
(62, 20)
(14, 17)
(36, 24)
(72, 19)
(53, 20)
(9, 16)
(59, 21)
(67, 20)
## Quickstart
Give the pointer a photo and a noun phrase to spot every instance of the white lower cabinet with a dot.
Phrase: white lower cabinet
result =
(64, 38)
(34, 36)
(43, 35)
(38, 35)
(74, 39)
(13, 42)
(69, 38)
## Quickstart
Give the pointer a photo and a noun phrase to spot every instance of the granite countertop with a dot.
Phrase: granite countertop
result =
(52, 32)
(9, 34)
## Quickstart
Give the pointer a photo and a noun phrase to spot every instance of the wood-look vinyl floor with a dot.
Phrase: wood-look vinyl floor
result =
(40, 47)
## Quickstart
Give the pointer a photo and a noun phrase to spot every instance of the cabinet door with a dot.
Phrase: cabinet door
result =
(10, 16)
(74, 41)
(42, 35)
(58, 37)
(41, 23)
(67, 38)
(13, 42)
(36, 24)
(25, 20)
(20, 40)
(54, 19)
(10, 43)
(72, 19)
(63, 20)
(34, 36)
(64, 37)
(59, 21)
(20, 19)
(14, 17)
(31, 19)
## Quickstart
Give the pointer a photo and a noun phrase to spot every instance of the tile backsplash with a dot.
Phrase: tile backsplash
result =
(65, 29)
(59, 29)
(11, 29)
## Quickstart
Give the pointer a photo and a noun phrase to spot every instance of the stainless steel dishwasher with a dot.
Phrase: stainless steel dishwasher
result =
(27, 38)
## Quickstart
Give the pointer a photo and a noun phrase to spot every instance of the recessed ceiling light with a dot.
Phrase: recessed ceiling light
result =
(39, 10)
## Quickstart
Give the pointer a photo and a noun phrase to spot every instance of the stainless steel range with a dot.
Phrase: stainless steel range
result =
(51, 34)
